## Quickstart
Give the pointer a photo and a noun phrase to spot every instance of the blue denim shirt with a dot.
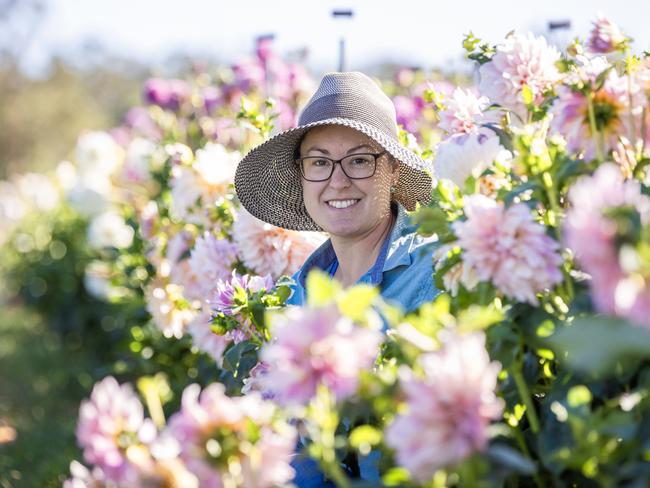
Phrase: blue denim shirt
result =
(403, 270)
(404, 273)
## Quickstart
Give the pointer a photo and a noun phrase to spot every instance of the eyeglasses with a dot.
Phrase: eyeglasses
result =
(354, 166)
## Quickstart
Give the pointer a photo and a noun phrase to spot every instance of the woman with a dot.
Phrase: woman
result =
(343, 171)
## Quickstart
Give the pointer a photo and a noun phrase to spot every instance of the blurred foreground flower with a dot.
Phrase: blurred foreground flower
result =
(448, 409)
(232, 441)
(316, 346)
(608, 227)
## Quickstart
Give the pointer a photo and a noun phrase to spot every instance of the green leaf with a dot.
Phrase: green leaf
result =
(431, 220)
(364, 437)
(512, 459)
(321, 288)
(596, 344)
(357, 300)
(477, 318)
(395, 477)
(578, 396)
(233, 356)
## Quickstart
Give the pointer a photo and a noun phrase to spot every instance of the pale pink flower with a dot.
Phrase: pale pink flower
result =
(196, 188)
(449, 409)
(591, 234)
(165, 303)
(110, 422)
(211, 260)
(507, 247)
(605, 37)
(521, 60)
(254, 381)
(465, 112)
(314, 346)
(570, 113)
(214, 431)
(267, 249)
(469, 154)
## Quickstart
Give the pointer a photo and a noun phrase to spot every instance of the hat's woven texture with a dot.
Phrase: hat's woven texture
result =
(268, 180)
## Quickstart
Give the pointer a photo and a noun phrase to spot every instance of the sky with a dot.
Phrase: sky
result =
(425, 33)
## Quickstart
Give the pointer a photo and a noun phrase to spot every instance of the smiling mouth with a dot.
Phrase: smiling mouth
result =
(342, 203)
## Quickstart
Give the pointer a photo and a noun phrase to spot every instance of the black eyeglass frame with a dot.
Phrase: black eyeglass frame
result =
(298, 161)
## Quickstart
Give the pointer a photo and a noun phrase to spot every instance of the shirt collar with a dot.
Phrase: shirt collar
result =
(394, 252)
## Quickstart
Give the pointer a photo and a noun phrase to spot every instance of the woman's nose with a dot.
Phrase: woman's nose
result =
(339, 179)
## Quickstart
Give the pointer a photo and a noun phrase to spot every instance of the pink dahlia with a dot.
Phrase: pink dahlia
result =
(449, 409)
(267, 249)
(507, 247)
(232, 441)
(520, 61)
(570, 113)
(465, 112)
(605, 36)
(468, 154)
(592, 235)
(316, 346)
(82, 477)
(212, 260)
(110, 422)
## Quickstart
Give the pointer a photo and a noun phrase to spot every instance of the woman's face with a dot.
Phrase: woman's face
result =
(342, 206)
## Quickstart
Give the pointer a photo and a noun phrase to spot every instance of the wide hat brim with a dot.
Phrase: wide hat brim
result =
(268, 181)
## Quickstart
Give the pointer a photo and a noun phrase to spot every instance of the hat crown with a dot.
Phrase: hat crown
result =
(354, 96)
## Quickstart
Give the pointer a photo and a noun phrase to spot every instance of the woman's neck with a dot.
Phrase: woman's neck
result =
(357, 255)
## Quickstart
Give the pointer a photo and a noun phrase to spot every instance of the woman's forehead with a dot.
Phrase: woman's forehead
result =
(335, 135)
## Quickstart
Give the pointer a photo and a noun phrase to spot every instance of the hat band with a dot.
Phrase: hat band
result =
(348, 106)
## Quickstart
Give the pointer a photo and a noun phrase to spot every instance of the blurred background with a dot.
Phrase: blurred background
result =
(68, 66)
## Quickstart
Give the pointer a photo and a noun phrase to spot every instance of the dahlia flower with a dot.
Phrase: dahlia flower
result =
(570, 113)
(448, 409)
(212, 260)
(463, 155)
(520, 61)
(222, 437)
(315, 346)
(267, 249)
(465, 112)
(592, 235)
(97, 155)
(605, 37)
(110, 422)
(508, 248)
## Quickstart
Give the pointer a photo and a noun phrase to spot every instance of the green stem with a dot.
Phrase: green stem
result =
(524, 394)
(594, 127)
(524, 448)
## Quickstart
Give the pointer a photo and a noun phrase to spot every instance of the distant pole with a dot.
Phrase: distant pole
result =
(558, 30)
(342, 14)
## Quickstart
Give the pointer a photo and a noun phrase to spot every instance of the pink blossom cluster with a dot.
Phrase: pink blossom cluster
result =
(611, 111)
(316, 346)
(465, 112)
(449, 406)
(523, 60)
(213, 431)
(110, 423)
(267, 249)
(605, 37)
(507, 247)
(616, 286)
(211, 260)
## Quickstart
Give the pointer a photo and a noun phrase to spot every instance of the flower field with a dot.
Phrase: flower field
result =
(531, 367)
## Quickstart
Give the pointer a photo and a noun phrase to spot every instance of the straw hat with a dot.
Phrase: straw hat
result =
(268, 180)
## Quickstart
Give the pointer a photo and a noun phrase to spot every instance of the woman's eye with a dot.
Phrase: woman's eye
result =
(320, 162)
(360, 161)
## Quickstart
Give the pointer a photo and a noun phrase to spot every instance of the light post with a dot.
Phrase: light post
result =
(342, 14)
